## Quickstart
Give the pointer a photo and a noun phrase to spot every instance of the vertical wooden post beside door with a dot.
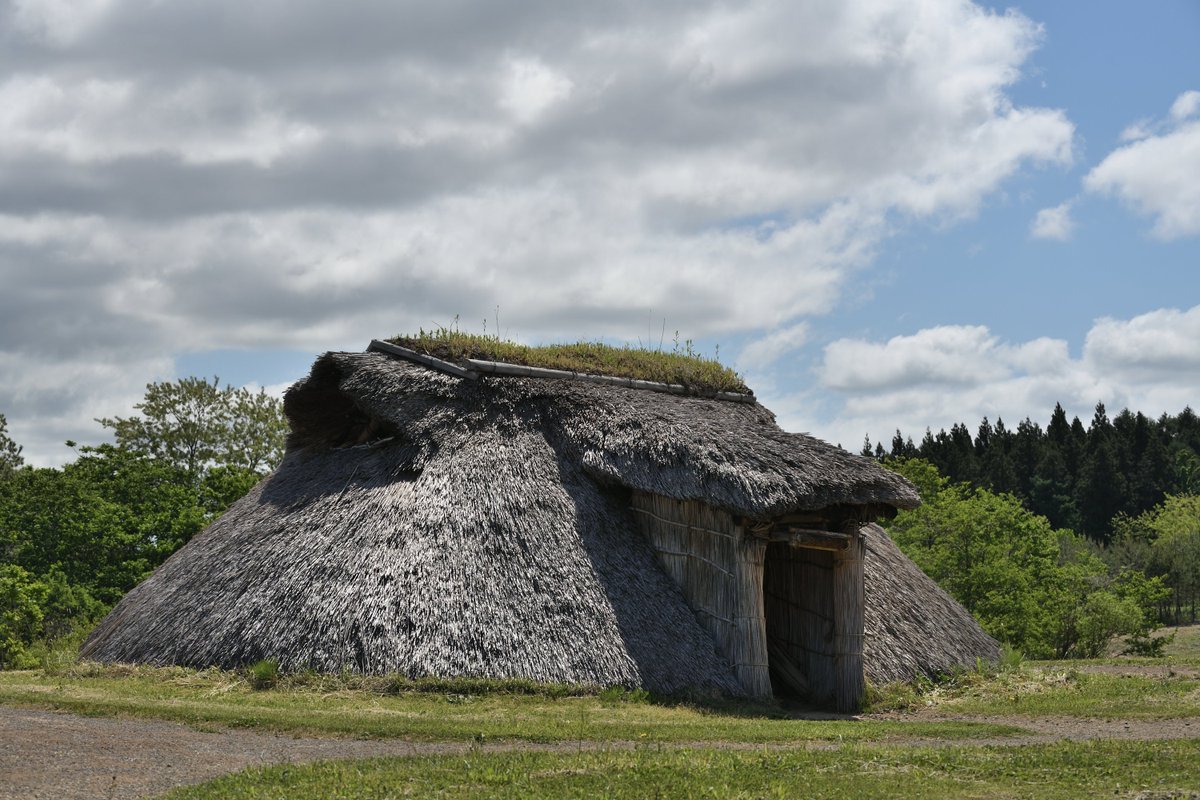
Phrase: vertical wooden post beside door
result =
(849, 623)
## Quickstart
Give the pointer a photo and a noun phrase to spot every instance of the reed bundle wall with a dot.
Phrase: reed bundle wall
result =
(719, 571)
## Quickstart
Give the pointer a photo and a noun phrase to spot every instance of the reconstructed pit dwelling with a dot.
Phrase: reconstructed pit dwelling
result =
(487, 520)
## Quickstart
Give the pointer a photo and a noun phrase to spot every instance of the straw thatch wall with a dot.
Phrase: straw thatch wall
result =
(913, 628)
(493, 558)
(426, 524)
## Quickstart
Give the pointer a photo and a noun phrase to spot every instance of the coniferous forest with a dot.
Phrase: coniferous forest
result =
(1083, 478)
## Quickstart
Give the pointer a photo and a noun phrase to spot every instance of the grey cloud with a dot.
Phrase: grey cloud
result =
(231, 174)
(163, 186)
(273, 36)
(53, 305)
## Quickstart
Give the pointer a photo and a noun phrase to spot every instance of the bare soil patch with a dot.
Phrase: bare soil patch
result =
(1140, 670)
(1051, 729)
(51, 754)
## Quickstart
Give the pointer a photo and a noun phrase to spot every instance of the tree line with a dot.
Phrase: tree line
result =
(1056, 538)
(75, 539)
(1082, 479)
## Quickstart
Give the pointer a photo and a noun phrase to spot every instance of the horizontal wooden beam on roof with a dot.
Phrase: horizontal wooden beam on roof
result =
(810, 538)
(521, 370)
(376, 346)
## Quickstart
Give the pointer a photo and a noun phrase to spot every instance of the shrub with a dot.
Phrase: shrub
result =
(263, 674)
(20, 616)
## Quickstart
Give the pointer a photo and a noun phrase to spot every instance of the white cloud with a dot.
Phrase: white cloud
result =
(762, 353)
(212, 175)
(940, 376)
(945, 356)
(1156, 174)
(1163, 343)
(1053, 223)
(1138, 130)
(1185, 106)
(531, 88)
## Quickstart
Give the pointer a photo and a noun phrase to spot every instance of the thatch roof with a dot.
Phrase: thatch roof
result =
(482, 528)
(731, 455)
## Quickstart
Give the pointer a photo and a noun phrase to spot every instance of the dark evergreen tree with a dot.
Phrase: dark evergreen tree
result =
(960, 456)
(997, 470)
(1101, 488)
(1058, 432)
(10, 452)
(1027, 449)
(1076, 477)
(1185, 430)
(1150, 471)
(1050, 491)
(901, 447)
(983, 439)
(1076, 447)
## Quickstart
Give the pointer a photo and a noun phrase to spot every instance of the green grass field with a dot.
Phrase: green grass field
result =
(1063, 770)
(584, 743)
(462, 713)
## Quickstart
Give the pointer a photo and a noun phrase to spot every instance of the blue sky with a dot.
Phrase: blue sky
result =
(843, 195)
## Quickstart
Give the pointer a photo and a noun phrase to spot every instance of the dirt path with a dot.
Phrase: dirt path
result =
(50, 754)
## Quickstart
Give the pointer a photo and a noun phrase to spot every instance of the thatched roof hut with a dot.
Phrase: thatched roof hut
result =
(556, 530)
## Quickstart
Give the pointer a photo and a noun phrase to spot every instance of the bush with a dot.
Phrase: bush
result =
(1103, 616)
(41, 615)
(263, 674)
(20, 616)
(1037, 589)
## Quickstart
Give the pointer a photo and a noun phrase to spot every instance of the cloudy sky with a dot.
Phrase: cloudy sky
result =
(887, 213)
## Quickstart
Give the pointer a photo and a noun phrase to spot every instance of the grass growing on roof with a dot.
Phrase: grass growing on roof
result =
(681, 365)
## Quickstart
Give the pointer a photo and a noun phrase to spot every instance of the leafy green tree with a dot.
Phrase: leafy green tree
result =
(74, 540)
(986, 551)
(20, 615)
(194, 425)
(103, 521)
(1187, 472)
(10, 451)
(1173, 530)
(1028, 584)
(34, 608)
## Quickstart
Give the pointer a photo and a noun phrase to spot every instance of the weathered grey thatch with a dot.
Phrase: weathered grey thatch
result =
(426, 524)
(913, 628)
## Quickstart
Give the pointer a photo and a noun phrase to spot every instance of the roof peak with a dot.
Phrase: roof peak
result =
(467, 356)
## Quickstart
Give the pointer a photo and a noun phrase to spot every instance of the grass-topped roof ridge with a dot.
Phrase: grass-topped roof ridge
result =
(682, 365)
